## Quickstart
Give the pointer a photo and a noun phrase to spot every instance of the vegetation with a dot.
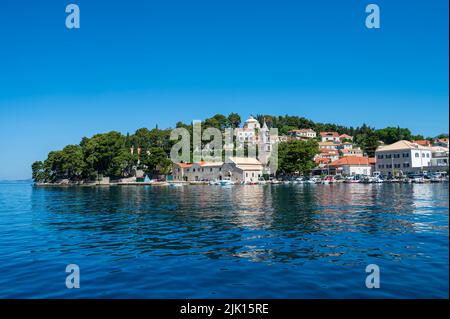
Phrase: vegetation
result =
(296, 157)
(116, 155)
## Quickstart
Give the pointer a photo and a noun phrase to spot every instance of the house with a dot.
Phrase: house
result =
(238, 169)
(329, 154)
(354, 151)
(352, 165)
(202, 171)
(306, 133)
(402, 157)
(439, 158)
(345, 137)
(243, 169)
(423, 142)
(330, 137)
(441, 142)
(328, 145)
(346, 146)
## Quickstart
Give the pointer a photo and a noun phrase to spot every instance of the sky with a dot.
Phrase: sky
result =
(136, 64)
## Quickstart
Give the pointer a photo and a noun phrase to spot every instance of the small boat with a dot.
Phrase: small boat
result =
(172, 184)
(226, 182)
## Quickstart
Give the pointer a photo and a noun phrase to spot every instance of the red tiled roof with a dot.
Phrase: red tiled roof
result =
(303, 130)
(334, 134)
(184, 165)
(422, 142)
(345, 136)
(351, 160)
(322, 160)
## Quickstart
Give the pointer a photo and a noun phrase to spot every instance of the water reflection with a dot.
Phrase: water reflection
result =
(259, 223)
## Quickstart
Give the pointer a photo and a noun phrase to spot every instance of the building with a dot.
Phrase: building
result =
(354, 151)
(439, 158)
(243, 169)
(426, 143)
(441, 142)
(346, 146)
(345, 137)
(303, 134)
(332, 155)
(402, 157)
(330, 137)
(352, 165)
(202, 171)
(238, 169)
(249, 132)
(329, 145)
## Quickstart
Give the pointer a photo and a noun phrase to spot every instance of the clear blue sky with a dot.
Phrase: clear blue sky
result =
(139, 63)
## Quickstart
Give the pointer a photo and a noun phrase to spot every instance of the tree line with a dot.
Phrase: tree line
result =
(116, 155)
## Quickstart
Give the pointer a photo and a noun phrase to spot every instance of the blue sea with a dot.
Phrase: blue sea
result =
(254, 241)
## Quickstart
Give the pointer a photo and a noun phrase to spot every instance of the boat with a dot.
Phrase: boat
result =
(172, 184)
(226, 182)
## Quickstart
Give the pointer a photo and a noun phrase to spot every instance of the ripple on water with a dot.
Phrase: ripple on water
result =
(286, 241)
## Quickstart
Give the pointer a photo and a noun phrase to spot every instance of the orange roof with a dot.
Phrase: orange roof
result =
(345, 136)
(184, 165)
(328, 143)
(334, 134)
(351, 160)
(327, 151)
(422, 142)
(322, 160)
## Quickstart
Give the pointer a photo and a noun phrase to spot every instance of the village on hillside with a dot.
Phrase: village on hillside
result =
(299, 155)
(338, 159)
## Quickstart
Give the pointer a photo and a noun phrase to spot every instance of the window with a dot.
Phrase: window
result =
(423, 154)
(380, 156)
(210, 169)
(405, 164)
(416, 154)
(193, 169)
(428, 155)
(246, 174)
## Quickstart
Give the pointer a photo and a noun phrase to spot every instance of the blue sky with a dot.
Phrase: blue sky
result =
(136, 64)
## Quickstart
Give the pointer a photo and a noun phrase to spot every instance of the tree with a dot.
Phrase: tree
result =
(39, 175)
(234, 120)
(391, 135)
(72, 162)
(100, 151)
(156, 162)
(296, 157)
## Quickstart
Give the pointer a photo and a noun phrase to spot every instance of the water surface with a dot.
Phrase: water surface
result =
(279, 241)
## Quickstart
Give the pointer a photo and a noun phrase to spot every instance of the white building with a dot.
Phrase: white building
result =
(402, 157)
(202, 171)
(329, 145)
(243, 169)
(305, 133)
(249, 132)
(237, 169)
(330, 137)
(439, 158)
(352, 165)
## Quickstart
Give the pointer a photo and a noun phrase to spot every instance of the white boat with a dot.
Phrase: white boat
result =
(226, 182)
(172, 184)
